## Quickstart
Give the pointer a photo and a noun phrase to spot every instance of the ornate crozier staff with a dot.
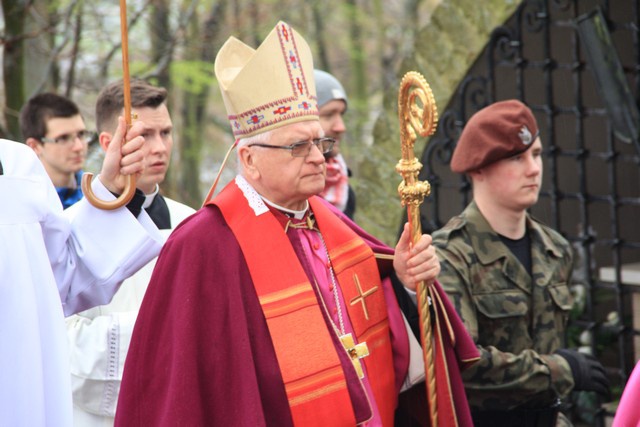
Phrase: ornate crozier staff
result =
(130, 186)
(423, 120)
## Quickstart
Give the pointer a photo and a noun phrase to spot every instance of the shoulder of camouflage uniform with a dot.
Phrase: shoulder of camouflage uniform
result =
(445, 233)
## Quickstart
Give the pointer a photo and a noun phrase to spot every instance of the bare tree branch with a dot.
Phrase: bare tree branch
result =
(117, 47)
(77, 37)
(163, 62)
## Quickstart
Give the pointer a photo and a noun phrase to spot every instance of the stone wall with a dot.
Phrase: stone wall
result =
(444, 50)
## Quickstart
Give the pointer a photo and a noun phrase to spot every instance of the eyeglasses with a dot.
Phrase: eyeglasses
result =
(303, 148)
(68, 138)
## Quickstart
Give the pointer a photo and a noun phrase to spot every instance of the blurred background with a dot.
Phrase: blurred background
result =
(576, 63)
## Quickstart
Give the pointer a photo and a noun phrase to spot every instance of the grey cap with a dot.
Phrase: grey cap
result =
(328, 88)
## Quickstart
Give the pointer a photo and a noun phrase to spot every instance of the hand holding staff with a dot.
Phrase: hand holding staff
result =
(130, 187)
(417, 113)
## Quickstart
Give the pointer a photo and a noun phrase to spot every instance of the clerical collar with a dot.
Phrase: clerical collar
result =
(259, 204)
(148, 198)
(291, 213)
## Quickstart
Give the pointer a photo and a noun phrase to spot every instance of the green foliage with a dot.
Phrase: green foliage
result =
(379, 209)
(442, 52)
(366, 44)
(192, 76)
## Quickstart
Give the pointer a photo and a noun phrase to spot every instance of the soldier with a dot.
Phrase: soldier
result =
(508, 276)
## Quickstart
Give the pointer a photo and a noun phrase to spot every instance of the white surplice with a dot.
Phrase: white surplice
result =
(99, 340)
(51, 266)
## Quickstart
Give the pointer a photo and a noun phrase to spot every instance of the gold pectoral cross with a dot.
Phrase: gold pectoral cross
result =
(361, 296)
(309, 224)
(356, 352)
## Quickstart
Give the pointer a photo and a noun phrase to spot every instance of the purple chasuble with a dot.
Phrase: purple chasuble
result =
(201, 352)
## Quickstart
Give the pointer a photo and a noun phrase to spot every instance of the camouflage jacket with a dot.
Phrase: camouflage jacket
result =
(516, 321)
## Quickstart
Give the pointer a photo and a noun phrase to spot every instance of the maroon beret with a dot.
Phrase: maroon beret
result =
(496, 132)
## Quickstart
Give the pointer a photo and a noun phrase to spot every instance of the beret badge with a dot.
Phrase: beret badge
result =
(498, 131)
(525, 135)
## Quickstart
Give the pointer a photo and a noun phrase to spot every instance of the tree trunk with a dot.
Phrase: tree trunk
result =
(359, 75)
(75, 52)
(161, 41)
(13, 65)
(386, 47)
(320, 61)
(194, 106)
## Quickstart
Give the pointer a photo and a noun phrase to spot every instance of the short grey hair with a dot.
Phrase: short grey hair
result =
(261, 138)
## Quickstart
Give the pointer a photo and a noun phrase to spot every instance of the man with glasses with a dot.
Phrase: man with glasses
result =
(302, 148)
(54, 128)
(269, 306)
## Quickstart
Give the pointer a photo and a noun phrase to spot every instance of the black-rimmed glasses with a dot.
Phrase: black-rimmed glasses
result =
(303, 148)
(65, 139)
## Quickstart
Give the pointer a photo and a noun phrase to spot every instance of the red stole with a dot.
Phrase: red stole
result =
(313, 377)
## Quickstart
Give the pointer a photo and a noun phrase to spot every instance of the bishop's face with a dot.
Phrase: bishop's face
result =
(281, 178)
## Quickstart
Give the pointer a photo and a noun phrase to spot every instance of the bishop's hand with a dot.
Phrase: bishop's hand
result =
(415, 263)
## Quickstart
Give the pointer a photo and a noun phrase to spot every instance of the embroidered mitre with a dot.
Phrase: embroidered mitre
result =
(268, 87)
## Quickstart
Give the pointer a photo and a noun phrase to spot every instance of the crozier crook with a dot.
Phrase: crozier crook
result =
(423, 120)
(130, 186)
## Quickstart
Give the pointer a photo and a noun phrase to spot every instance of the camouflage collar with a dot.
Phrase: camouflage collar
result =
(485, 241)
(538, 233)
(487, 244)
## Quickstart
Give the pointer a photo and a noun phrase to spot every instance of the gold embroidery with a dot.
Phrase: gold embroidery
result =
(361, 296)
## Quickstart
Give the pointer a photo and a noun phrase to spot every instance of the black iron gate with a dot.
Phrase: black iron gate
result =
(576, 63)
